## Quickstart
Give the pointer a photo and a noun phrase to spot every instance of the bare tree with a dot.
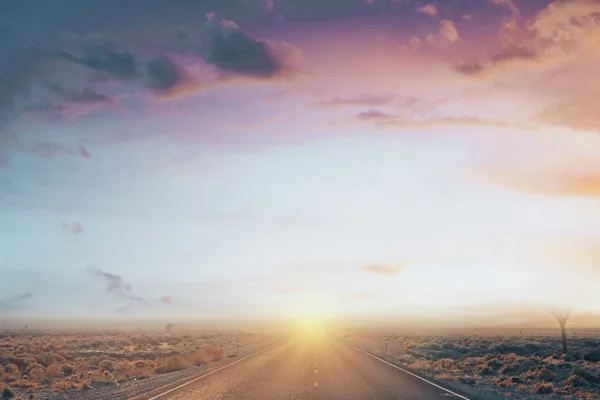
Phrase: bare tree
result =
(169, 327)
(562, 316)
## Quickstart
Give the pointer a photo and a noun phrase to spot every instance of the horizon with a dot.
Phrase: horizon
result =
(280, 163)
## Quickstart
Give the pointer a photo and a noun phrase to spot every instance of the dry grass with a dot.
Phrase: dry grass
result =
(521, 367)
(68, 362)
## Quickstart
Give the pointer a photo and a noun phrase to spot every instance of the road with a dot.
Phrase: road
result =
(309, 369)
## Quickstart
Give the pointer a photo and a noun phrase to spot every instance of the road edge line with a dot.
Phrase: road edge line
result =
(407, 372)
(158, 396)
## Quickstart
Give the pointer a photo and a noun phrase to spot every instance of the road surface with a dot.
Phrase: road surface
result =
(306, 370)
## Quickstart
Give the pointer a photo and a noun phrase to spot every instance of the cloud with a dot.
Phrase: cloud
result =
(84, 96)
(117, 286)
(162, 74)
(105, 58)
(167, 300)
(84, 152)
(552, 59)
(429, 9)
(362, 100)
(74, 227)
(390, 121)
(229, 48)
(383, 270)
(448, 31)
(557, 183)
(507, 55)
(374, 115)
(414, 43)
(14, 302)
(510, 4)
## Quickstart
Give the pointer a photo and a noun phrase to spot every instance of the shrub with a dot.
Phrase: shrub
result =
(67, 370)
(11, 369)
(445, 377)
(8, 393)
(25, 384)
(199, 357)
(215, 353)
(575, 381)
(171, 364)
(467, 380)
(140, 364)
(482, 369)
(506, 383)
(53, 371)
(66, 386)
(545, 374)
(592, 356)
(526, 365)
(107, 365)
(543, 388)
(36, 373)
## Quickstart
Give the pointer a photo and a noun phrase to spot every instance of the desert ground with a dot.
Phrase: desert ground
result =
(521, 366)
(44, 365)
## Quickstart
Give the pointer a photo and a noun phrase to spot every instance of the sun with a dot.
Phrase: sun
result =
(310, 315)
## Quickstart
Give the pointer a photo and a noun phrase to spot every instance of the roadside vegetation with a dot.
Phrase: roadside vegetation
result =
(42, 362)
(513, 367)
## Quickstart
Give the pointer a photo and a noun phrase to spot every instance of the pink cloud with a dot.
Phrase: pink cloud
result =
(84, 152)
(74, 227)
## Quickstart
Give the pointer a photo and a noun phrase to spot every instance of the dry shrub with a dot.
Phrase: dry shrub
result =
(26, 384)
(36, 373)
(53, 371)
(67, 370)
(545, 374)
(124, 371)
(107, 365)
(445, 377)
(66, 386)
(171, 364)
(215, 353)
(505, 383)
(575, 381)
(11, 370)
(543, 388)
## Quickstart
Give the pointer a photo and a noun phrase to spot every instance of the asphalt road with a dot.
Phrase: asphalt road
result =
(309, 369)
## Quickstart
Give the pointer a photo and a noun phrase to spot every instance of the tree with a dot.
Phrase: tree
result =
(169, 327)
(562, 316)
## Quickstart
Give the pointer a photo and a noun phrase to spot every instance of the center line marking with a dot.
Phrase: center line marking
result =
(316, 384)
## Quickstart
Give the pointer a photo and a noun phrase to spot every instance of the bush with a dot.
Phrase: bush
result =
(11, 369)
(592, 356)
(543, 388)
(445, 377)
(36, 373)
(8, 393)
(171, 364)
(67, 370)
(215, 353)
(107, 365)
(53, 371)
(482, 369)
(545, 374)
(575, 381)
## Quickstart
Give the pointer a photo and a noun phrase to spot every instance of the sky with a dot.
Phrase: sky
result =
(398, 160)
